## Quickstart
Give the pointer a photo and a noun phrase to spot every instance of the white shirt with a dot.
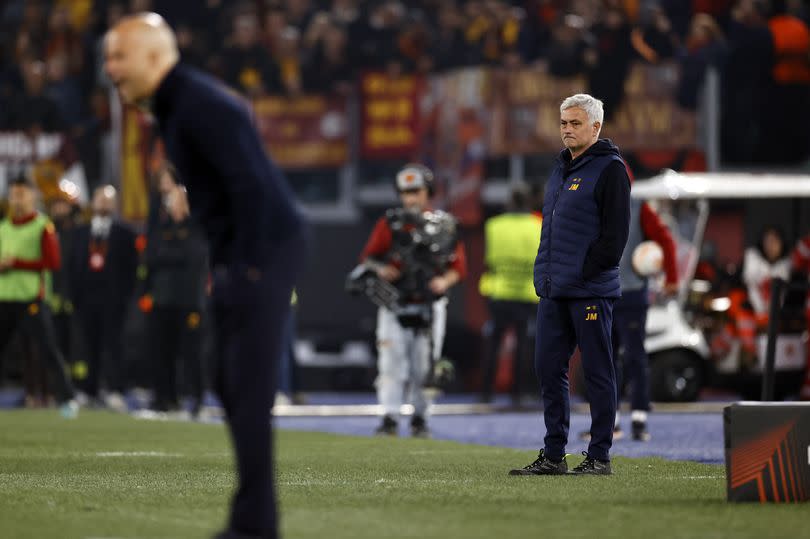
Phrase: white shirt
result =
(757, 275)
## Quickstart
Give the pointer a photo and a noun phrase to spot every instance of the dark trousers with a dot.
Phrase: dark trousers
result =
(102, 328)
(288, 368)
(175, 338)
(632, 366)
(503, 316)
(34, 319)
(250, 317)
(63, 328)
(561, 326)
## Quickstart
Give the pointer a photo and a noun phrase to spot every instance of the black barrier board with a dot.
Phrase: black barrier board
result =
(767, 452)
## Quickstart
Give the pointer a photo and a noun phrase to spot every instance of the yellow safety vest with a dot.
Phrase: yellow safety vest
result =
(512, 240)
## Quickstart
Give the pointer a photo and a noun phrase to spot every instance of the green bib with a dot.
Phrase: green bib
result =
(22, 242)
(512, 240)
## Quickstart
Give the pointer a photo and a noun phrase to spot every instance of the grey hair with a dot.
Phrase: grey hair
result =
(593, 107)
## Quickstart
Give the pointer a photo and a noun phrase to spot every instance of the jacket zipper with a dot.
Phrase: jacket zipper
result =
(550, 232)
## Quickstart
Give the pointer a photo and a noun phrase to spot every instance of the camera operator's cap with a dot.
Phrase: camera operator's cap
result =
(411, 178)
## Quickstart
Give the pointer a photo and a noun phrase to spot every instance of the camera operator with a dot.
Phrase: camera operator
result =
(404, 352)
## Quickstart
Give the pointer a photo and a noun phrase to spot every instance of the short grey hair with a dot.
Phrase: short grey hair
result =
(593, 107)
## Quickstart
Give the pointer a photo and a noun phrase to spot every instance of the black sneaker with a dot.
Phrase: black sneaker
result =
(592, 466)
(618, 434)
(640, 432)
(419, 428)
(543, 466)
(388, 427)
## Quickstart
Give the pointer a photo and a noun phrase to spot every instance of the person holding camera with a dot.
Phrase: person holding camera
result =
(405, 351)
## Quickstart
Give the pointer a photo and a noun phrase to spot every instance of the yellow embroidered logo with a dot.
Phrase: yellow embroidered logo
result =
(574, 184)
(591, 313)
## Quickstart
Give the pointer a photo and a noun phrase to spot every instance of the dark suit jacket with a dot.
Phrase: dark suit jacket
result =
(112, 286)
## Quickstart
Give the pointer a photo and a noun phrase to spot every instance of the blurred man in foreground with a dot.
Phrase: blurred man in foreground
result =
(255, 234)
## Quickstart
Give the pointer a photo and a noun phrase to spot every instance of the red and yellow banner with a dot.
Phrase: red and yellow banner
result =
(305, 131)
(389, 116)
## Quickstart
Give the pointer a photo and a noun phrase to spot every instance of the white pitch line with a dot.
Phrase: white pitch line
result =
(696, 477)
(136, 454)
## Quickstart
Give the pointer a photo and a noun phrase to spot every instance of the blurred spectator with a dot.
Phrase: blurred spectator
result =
(34, 109)
(762, 263)
(500, 43)
(566, 54)
(63, 88)
(102, 278)
(275, 21)
(704, 46)
(373, 40)
(790, 95)
(288, 60)
(63, 210)
(679, 12)
(609, 59)
(344, 12)
(655, 40)
(93, 138)
(247, 65)
(191, 49)
(476, 27)
(535, 29)
(746, 82)
(63, 40)
(413, 44)
(448, 48)
(299, 13)
(715, 8)
(327, 68)
(176, 260)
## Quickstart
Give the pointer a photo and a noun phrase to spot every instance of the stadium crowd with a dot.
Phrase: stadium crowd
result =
(51, 77)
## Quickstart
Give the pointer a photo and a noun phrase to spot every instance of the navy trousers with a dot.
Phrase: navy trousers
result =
(561, 326)
(629, 332)
(250, 315)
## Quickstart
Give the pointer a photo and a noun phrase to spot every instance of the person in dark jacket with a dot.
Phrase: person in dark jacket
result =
(576, 275)
(176, 261)
(64, 210)
(102, 279)
(256, 238)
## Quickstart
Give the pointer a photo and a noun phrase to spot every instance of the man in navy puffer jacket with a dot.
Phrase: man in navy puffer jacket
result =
(576, 274)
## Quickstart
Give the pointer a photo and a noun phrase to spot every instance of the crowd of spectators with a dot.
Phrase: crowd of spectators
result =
(50, 51)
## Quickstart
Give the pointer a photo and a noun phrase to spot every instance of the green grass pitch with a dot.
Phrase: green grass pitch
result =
(110, 476)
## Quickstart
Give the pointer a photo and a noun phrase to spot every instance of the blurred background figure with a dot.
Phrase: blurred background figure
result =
(512, 239)
(64, 212)
(630, 315)
(288, 391)
(102, 278)
(174, 300)
(761, 263)
(29, 249)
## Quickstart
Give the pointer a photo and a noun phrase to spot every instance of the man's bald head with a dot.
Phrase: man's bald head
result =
(138, 52)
